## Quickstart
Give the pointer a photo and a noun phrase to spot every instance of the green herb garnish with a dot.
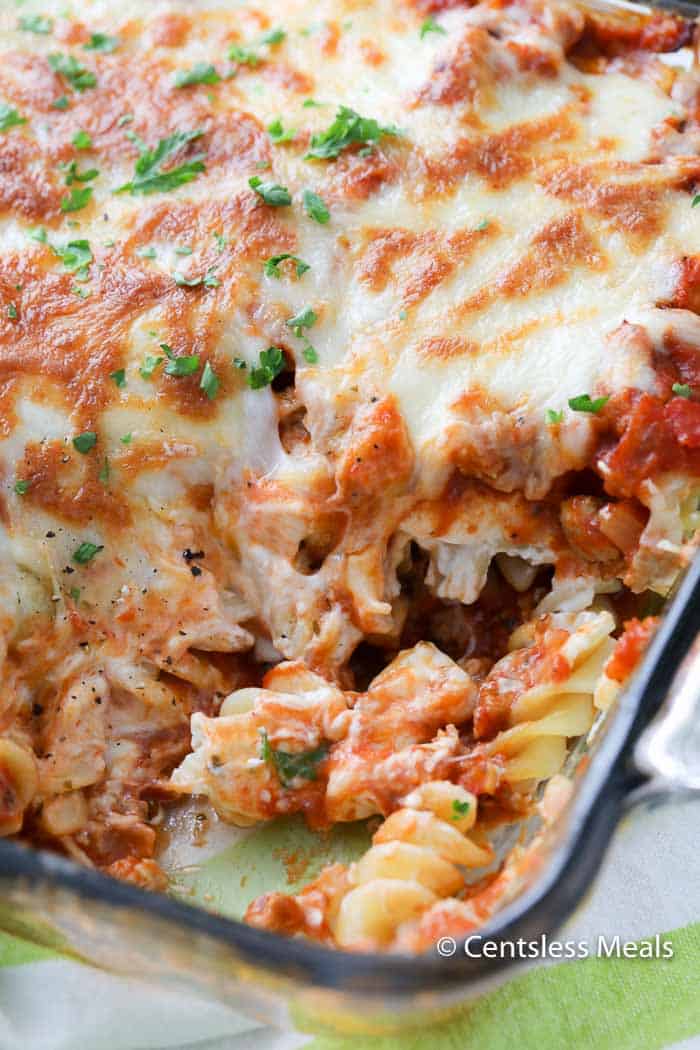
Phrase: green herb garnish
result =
(84, 442)
(81, 140)
(119, 377)
(584, 403)
(289, 765)
(103, 476)
(553, 417)
(149, 176)
(272, 362)
(75, 256)
(36, 24)
(271, 265)
(306, 318)
(12, 311)
(22, 487)
(274, 195)
(76, 199)
(150, 363)
(431, 26)
(347, 128)
(10, 118)
(77, 76)
(315, 207)
(459, 809)
(209, 382)
(682, 390)
(102, 42)
(200, 73)
(278, 134)
(310, 354)
(243, 56)
(273, 37)
(86, 552)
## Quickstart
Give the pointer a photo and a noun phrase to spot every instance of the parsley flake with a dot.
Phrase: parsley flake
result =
(102, 42)
(75, 256)
(278, 134)
(459, 809)
(347, 128)
(38, 233)
(209, 382)
(86, 552)
(238, 362)
(311, 103)
(272, 362)
(292, 765)
(150, 363)
(220, 241)
(148, 252)
(180, 366)
(200, 73)
(84, 442)
(119, 377)
(271, 265)
(584, 403)
(273, 37)
(60, 103)
(243, 56)
(310, 354)
(149, 176)
(77, 199)
(126, 439)
(431, 26)
(306, 318)
(79, 78)
(274, 195)
(553, 417)
(82, 140)
(12, 311)
(682, 390)
(73, 175)
(22, 487)
(315, 207)
(35, 24)
(208, 280)
(103, 476)
(695, 201)
(10, 118)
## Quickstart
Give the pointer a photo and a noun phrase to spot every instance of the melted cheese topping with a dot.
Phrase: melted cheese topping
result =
(507, 246)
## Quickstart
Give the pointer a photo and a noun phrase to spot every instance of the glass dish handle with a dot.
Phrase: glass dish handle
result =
(668, 750)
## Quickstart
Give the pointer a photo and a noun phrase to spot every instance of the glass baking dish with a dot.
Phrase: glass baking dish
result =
(645, 748)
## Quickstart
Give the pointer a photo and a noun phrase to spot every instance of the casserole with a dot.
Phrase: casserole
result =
(384, 491)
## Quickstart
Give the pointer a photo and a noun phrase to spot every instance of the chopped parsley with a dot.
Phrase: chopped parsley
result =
(209, 382)
(695, 201)
(149, 176)
(126, 439)
(311, 103)
(150, 363)
(584, 403)
(76, 199)
(75, 593)
(73, 175)
(179, 366)
(82, 140)
(60, 103)
(208, 280)
(431, 26)
(200, 73)
(86, 552)
(243, 56)
(278, 134)
(315, 207)
(38, 233)
(290, 766)
(84, 442)
(347, 128)
(238, 362)
(82, 293)
(553, 417)
(103, 476)
(12, 311)
(22, 487)
(10, 118)
(126, 118)
(148, 252)
(483, 225)
(183, 249)
(119, 377)
(35, 24)
(271, 266)
(459, 809)
(682, 390)
(273, 37)
(102, 42)
(79, 78)
(306, 318)
(274, 195)
(272, 362)
(220, 241)
(75, 256)
(310, 354)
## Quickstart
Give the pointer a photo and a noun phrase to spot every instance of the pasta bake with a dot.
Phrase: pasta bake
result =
(349, 423)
